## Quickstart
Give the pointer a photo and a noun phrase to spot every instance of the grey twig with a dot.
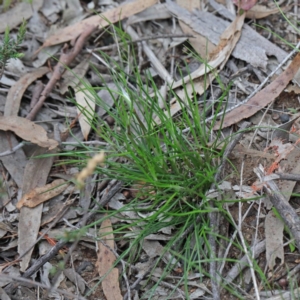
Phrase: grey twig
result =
(13, 150)
(286, 211)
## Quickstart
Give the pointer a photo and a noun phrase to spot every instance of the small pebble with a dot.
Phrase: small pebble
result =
(284, 118)
(283, 283)
(110, 120)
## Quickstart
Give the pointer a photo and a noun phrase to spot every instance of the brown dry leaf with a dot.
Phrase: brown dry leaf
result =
(85, 108)
(36, 174)
(218, 59)
(200, 43)
(16, 92)
(260, 12)
(220, 55)
(19, 12)
(27, 130)
(262, 98)
(274, 239)
(41, 194)
(114, 15)
(105, 261)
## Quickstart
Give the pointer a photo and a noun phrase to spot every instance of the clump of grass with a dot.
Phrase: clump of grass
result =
(10, 49)
(171, 170)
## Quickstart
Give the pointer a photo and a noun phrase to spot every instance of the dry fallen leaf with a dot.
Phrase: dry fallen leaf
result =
(260, 12)
(262, 98)
(217, 59)
(107, 18)
(16, 92)
(85, 108)
(27, 130)
(200, 43)
(274, 239)
(105, 261)
(219, 56)
(41, 194)
(36, 174)
(19, 12)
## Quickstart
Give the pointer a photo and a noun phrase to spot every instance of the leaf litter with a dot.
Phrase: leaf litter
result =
(28, 180)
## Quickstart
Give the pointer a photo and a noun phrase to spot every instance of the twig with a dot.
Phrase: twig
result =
(64, 61)
(108, 194)
(283, 207)
(13, 150)
(85, 143)
(36, 93)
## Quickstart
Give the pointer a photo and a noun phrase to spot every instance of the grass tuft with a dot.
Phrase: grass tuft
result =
(168, 172)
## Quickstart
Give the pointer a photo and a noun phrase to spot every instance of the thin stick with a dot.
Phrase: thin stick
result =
(13, 150)
(64, 61)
